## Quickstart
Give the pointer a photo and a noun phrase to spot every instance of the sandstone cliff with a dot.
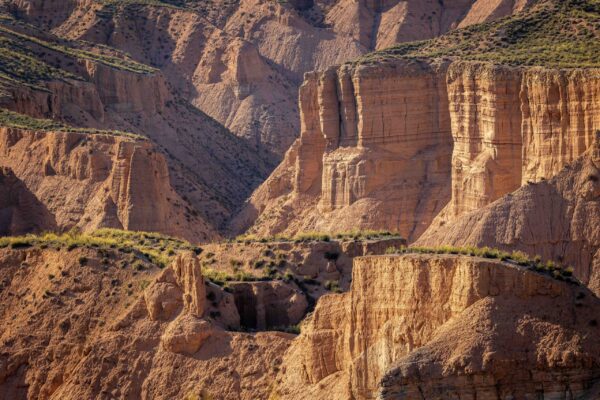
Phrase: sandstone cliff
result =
(242, 62)
(436, 325)
(556, 219)
(89, 181)
(376, 141)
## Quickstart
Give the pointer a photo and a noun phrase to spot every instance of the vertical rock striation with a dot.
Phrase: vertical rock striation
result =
(389, 145)
(445, 324)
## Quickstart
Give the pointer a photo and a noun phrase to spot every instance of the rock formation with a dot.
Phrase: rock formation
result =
(556, 219)
(269, 305)
(242, 62)
(89, 181)
(85, 87)
(376, 141)
(97, 330)
(437, 325)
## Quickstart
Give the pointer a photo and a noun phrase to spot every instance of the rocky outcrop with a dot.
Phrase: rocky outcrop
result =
(98, 87)
(511, 127)
(434, 325)
(105, 329)
(90, 181)
(376, 139)
(20, 211)
(556, 219)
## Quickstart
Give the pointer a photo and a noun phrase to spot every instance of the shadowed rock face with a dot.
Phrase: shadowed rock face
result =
(446, 324)
(392, 145)
(268, 305)
(20, 211)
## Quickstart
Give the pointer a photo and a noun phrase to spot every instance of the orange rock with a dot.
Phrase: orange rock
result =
(444, 323)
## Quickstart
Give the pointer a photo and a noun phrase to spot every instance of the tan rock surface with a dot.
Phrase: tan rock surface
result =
(73, 331)
(93, 181)
(557, 219)
(210, 168)
(430, 320)
(374, 152)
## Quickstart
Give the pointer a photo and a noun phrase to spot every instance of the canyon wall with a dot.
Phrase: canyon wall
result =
(438, 325)
(242, 62)
(393, 145)
(557, 219)
(89, 181)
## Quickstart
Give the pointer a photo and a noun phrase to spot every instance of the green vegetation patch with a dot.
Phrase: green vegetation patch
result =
(552, 33)
(320, 237)
(536, 264)
(153, 247)
(73, 51)
(20, 121)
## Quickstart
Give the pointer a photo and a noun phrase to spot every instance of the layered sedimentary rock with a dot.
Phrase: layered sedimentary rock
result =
(374, 152)
(557, 219)
(376, 140)
(208, 50)
(511, 127)
(90, 181)
(100, 330)
(446, 324)
(79, 84)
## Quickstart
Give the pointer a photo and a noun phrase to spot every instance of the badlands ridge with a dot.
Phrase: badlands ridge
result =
(328, 199)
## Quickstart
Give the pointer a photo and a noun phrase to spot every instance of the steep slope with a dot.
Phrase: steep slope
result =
(104, 322)
(429, 326)
(556, 219)
(241, 62)
(79, 84)
(94, 180)
(376, 137)
(20, 210)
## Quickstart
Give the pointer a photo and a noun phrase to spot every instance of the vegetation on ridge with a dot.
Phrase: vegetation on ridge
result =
(26, 55)
(551, 268)
(320, 236)
(153, 247)
(12, 119)
(552, 33)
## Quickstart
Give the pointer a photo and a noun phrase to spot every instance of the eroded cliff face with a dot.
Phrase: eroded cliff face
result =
(511, 127)
(242, 62)
(104, 330)
(445, 324)
(556, 219)
(389, 146)
(90, 181)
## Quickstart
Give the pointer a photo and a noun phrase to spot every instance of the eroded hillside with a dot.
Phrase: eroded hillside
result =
(52, 83)
(241, 61)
